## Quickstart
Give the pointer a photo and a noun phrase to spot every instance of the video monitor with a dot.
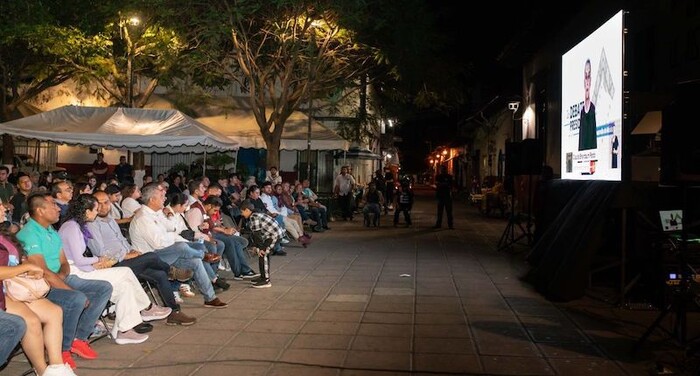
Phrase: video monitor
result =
(591, 118)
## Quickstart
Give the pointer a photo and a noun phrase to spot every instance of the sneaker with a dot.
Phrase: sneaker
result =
(256, 279)
(130, 337)
(82, 349)
(99, 330)
(216, 303)
(221, 283)
(310, 222)
(237, 277)
(262, 284)
(280, 253)
(284, 241)
(155, 313)
(179, 318)
(68, 359)
(58, 370)
(178, 299)
(251, 275)
(186, 291)
(182, 275)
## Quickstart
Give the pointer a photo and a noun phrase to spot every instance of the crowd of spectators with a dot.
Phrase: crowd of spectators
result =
(99, 241)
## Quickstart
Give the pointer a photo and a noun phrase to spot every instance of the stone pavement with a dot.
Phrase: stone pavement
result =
(392, 301)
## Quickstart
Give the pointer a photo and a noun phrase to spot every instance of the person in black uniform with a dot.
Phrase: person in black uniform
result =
(443, 192)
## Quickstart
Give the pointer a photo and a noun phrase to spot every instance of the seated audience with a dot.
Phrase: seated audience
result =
(107, 240)
(131, 194)
(149, 233)
(131, 302)
(39, 324)
(44, 248)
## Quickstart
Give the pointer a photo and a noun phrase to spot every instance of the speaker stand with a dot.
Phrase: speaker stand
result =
(515, 222)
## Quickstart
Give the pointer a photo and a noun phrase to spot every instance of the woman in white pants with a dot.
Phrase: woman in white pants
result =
(130, 300)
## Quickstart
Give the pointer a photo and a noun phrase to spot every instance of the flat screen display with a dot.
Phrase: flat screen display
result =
(591, 118)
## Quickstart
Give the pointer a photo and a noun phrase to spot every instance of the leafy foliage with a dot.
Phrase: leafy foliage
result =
(283, 52)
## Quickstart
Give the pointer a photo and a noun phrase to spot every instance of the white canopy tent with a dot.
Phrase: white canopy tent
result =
(136, 129)
(241, 126)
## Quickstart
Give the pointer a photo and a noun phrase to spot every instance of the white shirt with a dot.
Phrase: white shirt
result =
(129, 207)
(195, 217)
(151, 230)
(344, 183)
(117, 212)
(270, 206)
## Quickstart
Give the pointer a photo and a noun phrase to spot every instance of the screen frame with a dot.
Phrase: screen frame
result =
(583, 162)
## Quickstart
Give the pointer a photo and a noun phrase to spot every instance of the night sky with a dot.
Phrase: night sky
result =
(476, 38)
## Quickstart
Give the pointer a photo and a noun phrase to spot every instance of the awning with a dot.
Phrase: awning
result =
(136, 129)
(650, 123)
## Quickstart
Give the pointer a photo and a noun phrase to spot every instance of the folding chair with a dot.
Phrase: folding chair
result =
(106, 314)
(151, 291)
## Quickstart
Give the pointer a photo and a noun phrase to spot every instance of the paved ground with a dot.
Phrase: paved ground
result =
(393, 301)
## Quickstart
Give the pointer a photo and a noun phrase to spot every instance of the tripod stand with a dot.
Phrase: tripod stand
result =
(515, 220)
(684, 290)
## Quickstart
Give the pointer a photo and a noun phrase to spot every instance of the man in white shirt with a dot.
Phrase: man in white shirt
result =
(342, 189)
(149, 234)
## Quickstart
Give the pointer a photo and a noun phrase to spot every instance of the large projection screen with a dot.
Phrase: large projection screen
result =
(591, 93)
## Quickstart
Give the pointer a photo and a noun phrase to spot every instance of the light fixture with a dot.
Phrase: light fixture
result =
(444, 152)
(134, 21)
(513, 106)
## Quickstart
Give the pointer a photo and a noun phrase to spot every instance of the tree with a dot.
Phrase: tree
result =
(140, 46)
(36, 53)
(283, 52)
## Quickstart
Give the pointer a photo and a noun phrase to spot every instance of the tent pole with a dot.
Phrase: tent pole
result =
(204, 164)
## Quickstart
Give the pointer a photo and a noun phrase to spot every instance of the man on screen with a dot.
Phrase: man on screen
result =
(587, 126)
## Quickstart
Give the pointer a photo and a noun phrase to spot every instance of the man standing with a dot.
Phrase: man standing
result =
(124, 171)
(100, 167)
(82, 300)
(148, 232)
(342, 189)
(443, 192)
(108, 241)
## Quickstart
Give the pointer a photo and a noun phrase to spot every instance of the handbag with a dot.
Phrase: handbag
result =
(24, 289)
(188, 235)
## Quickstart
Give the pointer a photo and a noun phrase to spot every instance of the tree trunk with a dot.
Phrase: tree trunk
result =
(273, 151)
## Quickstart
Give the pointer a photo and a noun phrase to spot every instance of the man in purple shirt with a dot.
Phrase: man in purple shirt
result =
(107, 240)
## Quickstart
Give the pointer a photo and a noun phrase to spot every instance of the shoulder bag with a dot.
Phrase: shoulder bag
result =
(24, 289)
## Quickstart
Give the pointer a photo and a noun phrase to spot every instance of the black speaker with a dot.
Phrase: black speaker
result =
(514, 153)
(680, 135)
(524, 157)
